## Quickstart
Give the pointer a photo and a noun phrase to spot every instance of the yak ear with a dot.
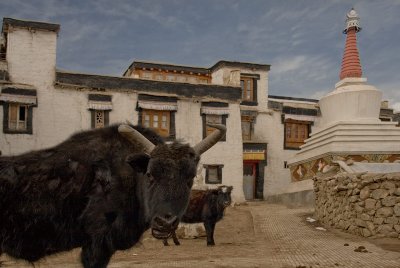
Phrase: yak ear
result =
(138, 162)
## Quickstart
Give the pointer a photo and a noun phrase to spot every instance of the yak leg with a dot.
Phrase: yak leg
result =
(209, 226)
(175, 238)
(165, 241)
(96, 254)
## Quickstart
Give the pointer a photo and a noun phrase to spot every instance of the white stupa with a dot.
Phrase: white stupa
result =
(350, 123)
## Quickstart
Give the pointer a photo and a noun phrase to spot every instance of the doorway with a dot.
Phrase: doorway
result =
(250, 174)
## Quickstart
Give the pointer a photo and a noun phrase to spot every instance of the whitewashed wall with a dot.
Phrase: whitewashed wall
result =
(64, 111)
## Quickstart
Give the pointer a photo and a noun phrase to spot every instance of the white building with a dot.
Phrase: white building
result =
(42, 106)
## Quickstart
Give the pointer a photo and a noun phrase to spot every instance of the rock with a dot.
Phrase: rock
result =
(391, 220)
(365, 217)
(353, 199)
(385, 229)
(365, 232)
(364, 193)
(389, 201)
(397, 192)
(370, 204)
(384, 212)
(388, 185)
(358, 208)
(373, 186)
(378, 204)
(371, 226)
(378, 221)
(360, 223)
(379, 193)
(396, 209)
(397, 228)
(393, 234)
(356, 191)
(371, 212)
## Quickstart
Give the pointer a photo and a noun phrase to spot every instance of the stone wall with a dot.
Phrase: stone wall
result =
(364, 204)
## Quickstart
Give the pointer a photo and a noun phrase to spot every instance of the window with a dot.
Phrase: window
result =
(100, 118)
(295, 133)
(192, 80)
(17, 117)
(157, 120)
(147, 75)
(213, 119)
(247, 127)
(159, 77)
(213, 174)
(3, 46)
(181, 78)
(170, 77)
(247, 85)
(203, 81)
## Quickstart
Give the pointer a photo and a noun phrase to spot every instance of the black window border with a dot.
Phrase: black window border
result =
(29, 123)
(219, 172)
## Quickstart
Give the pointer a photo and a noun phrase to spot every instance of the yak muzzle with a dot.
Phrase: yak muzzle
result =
(162, 227)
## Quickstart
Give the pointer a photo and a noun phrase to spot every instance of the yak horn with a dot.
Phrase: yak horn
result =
(136, 137)
(211, 139)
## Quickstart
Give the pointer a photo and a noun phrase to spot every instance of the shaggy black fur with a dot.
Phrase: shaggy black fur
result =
(97, 191)
(206, 207)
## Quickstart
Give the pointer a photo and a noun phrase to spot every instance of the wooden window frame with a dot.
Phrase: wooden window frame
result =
(294, 141)
(28, 118)
(170, 121)
(248, 84)
(219, 173)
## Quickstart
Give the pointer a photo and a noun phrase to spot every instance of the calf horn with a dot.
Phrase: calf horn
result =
(136, 137)
(211, 139)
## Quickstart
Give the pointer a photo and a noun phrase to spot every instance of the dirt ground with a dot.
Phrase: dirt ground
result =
(235, 238)
(233, 235)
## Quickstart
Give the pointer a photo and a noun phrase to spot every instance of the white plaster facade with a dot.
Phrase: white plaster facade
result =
(63, 110)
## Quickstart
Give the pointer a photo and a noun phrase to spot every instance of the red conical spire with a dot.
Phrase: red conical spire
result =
(351, 66)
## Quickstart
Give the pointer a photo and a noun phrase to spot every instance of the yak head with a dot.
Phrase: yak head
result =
(224, 196)
(167, 172)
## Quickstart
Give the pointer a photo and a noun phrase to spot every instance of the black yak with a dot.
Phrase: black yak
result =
(99, 190)
(206, 206)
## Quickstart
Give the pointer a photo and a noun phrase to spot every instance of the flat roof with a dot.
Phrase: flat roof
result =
(147, 86)
(29, 24)
(292, 98)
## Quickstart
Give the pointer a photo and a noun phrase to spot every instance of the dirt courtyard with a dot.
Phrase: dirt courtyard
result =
(241, 241)
(234, 236)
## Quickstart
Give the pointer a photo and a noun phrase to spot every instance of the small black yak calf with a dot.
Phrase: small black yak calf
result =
(99, 190)
(206, 206)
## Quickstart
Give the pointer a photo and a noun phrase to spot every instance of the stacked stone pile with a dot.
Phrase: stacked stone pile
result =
(360, 203)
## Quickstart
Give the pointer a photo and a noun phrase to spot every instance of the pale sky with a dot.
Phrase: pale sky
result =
(302, 40)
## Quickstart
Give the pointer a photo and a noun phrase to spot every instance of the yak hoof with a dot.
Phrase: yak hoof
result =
(210, 244)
